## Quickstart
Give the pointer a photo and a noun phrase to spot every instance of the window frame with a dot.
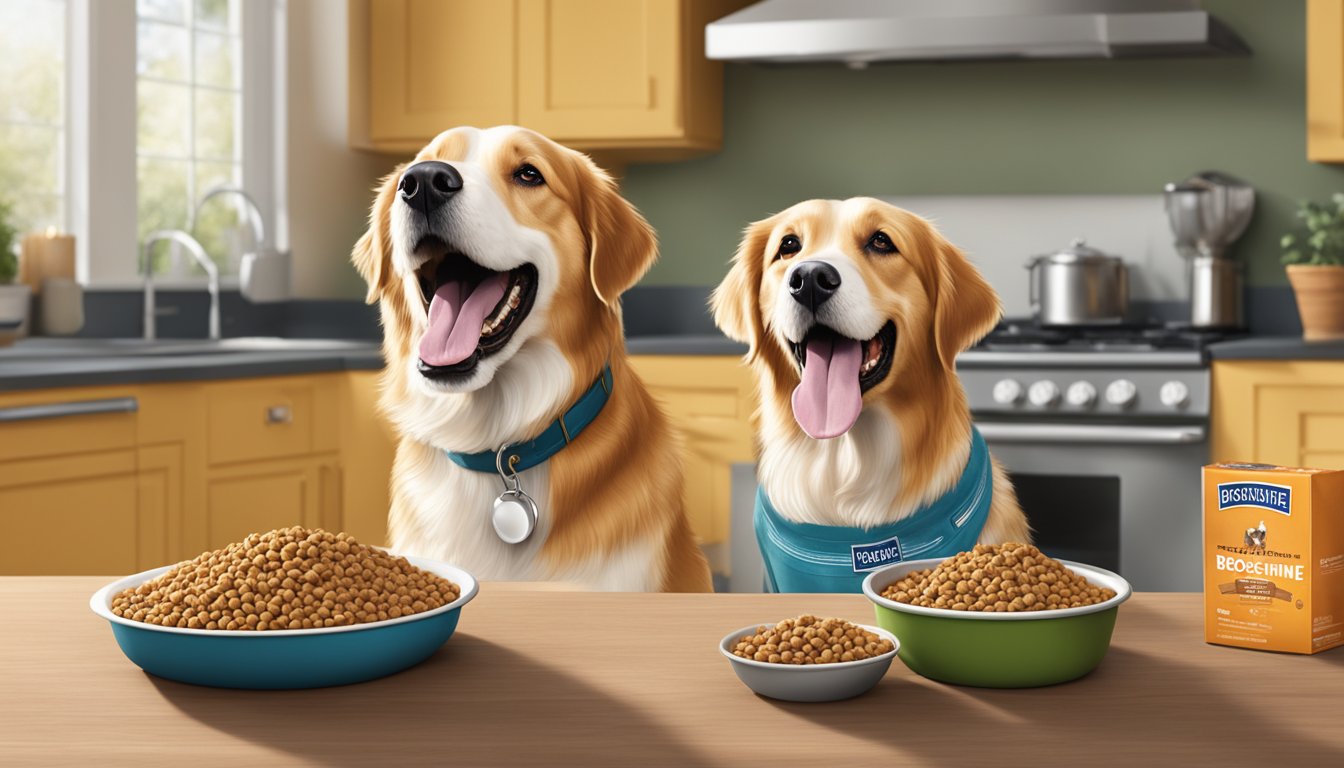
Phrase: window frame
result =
(61, 190)
(101, 135)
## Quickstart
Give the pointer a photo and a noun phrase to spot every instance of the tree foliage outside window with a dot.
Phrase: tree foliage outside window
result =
(32, 114)
(188, 133)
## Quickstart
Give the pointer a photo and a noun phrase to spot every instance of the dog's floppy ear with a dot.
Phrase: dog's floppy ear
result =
(967, 306)
(735, 302)
(621, 244)
(374, 249)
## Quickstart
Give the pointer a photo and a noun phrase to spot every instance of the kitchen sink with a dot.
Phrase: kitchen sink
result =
(48, 349)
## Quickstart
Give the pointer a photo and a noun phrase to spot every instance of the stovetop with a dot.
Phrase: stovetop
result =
(1146, 371)
(1017, 342)
(1028, 335)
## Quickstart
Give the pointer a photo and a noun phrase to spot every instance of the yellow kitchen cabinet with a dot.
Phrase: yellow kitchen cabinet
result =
(272, 418)
(627, 79)
(368, 446)
(1279, 412)
(112, 480)
(433, 64)
(69, 498)
(709, 400)
(262, 496)
(1325, 81)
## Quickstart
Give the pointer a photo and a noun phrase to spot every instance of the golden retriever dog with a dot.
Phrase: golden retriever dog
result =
(854, 312)
(498, 259)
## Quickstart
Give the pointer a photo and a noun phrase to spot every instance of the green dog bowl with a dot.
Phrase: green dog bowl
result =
(998, 650)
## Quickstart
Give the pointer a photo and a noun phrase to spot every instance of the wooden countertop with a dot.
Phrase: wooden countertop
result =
(541, 677)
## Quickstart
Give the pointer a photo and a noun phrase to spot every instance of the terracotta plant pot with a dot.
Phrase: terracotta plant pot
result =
(1320, 300)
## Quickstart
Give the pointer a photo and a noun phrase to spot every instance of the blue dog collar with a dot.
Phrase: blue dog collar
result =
(521, 456)
(803, 557)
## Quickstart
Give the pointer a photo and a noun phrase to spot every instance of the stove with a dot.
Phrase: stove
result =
(1103, 431)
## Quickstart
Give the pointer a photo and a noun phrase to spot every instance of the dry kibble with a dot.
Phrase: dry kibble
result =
(1005, 577)
(290, 578)
(804, 640)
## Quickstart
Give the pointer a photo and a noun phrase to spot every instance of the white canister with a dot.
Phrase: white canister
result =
(62, 306)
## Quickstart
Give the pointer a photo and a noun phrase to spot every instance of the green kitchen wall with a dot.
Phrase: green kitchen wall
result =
(1005, 127)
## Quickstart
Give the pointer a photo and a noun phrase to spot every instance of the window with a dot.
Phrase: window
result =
(189, 116)
(32, 113)
(117, 116)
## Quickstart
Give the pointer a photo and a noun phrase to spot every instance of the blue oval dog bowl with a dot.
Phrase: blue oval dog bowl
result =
(289, 658)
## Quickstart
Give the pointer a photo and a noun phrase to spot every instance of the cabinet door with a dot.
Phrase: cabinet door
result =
(160, 496)
(601, 69)
(436, 64)
(1325, 81)
(1301, 426)
(75, 514)
(68, 483)
(254, 498)
(709, 402)
(1289, 413)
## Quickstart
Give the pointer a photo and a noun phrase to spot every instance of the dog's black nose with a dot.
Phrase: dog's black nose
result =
(813, 282)
(427, 186)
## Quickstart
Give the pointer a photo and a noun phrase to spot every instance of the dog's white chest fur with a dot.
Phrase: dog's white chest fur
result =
(453, 510)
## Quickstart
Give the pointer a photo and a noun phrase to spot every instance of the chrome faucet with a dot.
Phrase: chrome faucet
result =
(211, 272)
(253, 211)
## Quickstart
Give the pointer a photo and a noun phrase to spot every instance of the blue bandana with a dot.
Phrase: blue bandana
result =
(803, 557)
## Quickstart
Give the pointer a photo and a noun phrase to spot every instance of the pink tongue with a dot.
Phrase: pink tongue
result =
(455, 318)
(827, 402)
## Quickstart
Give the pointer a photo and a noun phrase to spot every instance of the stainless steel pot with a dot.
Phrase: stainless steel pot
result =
(1078, 286)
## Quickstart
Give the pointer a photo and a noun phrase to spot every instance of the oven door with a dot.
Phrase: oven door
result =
(1124, 497)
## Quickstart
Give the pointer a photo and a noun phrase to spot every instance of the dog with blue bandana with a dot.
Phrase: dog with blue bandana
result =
(854, 312)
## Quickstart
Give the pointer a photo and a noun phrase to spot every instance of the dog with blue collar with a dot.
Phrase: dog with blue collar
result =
(528, 449)
(854, 312)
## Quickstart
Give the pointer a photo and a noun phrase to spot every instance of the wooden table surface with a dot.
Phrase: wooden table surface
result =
(541, 677)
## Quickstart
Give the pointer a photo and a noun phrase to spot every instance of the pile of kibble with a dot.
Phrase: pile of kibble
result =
(810, 640)
(291, 578)
(998, 577)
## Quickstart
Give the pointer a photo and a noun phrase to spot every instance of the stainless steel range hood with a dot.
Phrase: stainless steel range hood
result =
(857, 32)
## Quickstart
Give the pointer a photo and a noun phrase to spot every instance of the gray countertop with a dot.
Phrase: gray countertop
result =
(43, 363)
(40, 363)
(684, 344)
(1277, 348)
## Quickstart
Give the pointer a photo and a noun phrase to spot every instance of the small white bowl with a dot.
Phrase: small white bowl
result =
(809, 682)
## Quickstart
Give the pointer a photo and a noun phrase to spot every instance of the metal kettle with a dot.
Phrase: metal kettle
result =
(1208, 212)
(1078, 285)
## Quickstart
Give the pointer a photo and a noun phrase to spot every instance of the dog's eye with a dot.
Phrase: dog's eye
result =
(789, 246)
(528, 176)
(880, 243)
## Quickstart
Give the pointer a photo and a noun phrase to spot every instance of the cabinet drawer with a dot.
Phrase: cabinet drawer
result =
(58, 423)
(263, 420)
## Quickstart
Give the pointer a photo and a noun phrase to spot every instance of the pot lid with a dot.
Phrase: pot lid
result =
(1078, 252)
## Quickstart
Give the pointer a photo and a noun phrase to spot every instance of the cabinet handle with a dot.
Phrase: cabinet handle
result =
(62, 410)
(279, 414)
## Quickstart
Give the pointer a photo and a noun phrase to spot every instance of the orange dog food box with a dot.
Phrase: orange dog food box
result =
(1273, 557)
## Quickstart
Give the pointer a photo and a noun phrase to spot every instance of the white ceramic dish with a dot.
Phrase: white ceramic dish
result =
(810, 682)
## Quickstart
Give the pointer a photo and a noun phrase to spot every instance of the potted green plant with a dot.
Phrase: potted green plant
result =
(1314, 258)
(14, 298)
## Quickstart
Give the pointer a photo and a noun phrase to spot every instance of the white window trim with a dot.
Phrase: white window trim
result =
(101, 135)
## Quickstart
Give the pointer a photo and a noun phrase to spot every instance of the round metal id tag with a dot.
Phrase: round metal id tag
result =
(515, 516)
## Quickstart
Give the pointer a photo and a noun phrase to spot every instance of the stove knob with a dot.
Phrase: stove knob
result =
(1081, 394)
(1121, 392)
(1043, 394)
(1174, 394)
(1007, 392)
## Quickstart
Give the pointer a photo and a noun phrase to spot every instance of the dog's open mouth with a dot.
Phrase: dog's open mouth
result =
(836, 371)
(473, 311)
